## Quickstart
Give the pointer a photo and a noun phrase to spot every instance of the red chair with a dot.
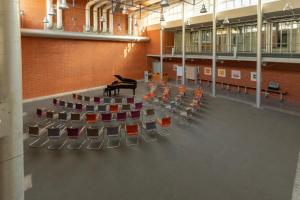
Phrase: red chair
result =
(97, 100)
(164, 124)
(91, 117)
(132, 131)
(114, 108)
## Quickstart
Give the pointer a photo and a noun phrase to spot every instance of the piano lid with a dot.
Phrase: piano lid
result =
(126, 80)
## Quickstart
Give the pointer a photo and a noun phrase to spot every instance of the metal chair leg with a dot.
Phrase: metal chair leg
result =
(132, 143)
(109, 140)
(56, 145)
(96, 144)
(147, 138)
(75, 145)
(37, 143)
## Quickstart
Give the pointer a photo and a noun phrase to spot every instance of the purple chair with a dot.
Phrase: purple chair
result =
(74, 134)
(78, 106)
(130, 100)
(135, 114)
(106, 117)
(138, 105)
(97, 100)
(121, 116)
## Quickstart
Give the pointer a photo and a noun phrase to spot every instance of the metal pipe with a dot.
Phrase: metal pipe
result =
(96, 15)
(11, 119)
(161, 53)
(130, 24)
(259, 55)
(135, 26)
(59, 16)
(183, 46)
(49, 6)
(214, 50)
(111, 21)
(88, 14)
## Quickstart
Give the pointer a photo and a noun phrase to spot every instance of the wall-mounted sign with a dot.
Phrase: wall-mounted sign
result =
(222, 73)
(235, 74)
(207, 71)
(253, 76)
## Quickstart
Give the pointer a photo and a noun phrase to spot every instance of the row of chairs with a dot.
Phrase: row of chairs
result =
(104, 100)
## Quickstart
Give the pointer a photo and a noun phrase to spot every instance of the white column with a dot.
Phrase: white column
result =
(214, 51)
(59, 16)
(11, 124)
(183, 46)
(49, 6)
(258, 56)
(111, 22)
(161, 53)
(130, 24)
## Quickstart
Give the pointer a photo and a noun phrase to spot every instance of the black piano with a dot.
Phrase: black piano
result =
(122, 83)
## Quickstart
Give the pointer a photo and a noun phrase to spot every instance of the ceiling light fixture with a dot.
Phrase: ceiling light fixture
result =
(203, 9)
(226, 21)
(164, 3)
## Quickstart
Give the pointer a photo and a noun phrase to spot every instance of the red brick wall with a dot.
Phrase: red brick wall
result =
(287, 75)
(154, 46)
(53, 65)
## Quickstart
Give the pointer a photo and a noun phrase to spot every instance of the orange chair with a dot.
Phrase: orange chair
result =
(132, 131)
(91, 117)
(181, 90)
(198, 93)
(165, 124)
(114, 108)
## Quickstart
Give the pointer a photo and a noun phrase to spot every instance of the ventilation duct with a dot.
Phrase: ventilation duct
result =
(59, 18)
(88, 6)
(49, 18)
(96, 26)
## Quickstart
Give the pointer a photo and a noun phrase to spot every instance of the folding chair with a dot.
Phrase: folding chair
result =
(87, 98)
(70, 105)
(62, 103)
(75, 116)
(135, 115)
(95, 137)
(51, 115)
(149, 131)
(130, 100)
(121, 116)
(40, 112)
(113, 108)
(90, 108)
(149, 113)
(118, 100)
(125, 107)
(74, 135)
(102, 108)
(138, 106)
(187, 114)
(113, 133)
(79, 97)
(55, 133)
(107, 100)
(79, 106)
(74, 96)
(164, 124)
(54, 101)
(91, 117)
(106, 117)
(63, 116)
(97, 100)
(132, 131)
(37, 131)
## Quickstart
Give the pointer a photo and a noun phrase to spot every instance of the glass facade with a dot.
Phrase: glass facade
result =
(277, 37)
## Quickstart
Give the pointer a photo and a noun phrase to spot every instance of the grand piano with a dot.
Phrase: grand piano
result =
(121, 83)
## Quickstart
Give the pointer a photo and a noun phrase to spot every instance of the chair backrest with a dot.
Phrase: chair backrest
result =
(79, 97)
(135, 114)
(78, 106)
(114, 108)
(121, 116)
(91, 117)
(189, 112)
(151, 125)
(34, 130)
(138, 105)
(118, 100)
(53, 131)
(112, 130)
(97, 99)
(54, 101)
(150, 112)
(130, 100)
(106, 117)
(39, 112)
(102, 108)
(62, 103)
(50, 114)
(107, 100)
(132, 129)
(74, 96)
(87, 98)
(70, 105)
(75, 116)
(125, 107)
(73, 131)
(166, 121)
(90, 108)
(92, 132)
(62, 115)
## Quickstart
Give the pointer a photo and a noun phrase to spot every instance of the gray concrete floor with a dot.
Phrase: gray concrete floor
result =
(230, 151)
